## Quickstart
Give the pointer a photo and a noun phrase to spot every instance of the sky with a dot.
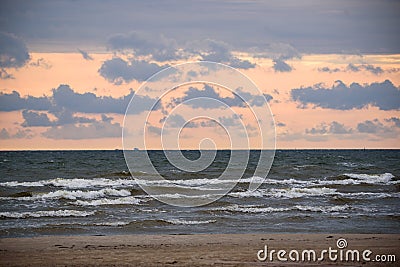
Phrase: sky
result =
(329, 71)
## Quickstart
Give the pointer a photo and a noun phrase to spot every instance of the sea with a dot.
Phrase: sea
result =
(94, 193)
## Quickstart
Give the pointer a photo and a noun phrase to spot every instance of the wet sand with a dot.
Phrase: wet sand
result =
(187, 250)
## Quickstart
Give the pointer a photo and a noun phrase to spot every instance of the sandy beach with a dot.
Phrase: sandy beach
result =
(187, 250)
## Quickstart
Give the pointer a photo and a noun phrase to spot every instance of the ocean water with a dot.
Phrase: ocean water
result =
(93, 193)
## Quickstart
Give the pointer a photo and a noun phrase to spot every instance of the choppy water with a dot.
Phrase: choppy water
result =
(92, 192)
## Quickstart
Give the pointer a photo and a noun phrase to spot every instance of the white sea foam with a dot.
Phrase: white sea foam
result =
(47, 213)
(188, 222)
(324, 209)
(108, 201)
(285, 193)
(255, 209)
(250, 209)
(368, 178)
(75, 183)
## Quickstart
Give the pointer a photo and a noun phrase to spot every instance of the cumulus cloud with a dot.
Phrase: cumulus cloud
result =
(370, 126)
(281, 66)
(376, 70)
(18, 134)
(35, 119)
(202, 96)
(366, 67)
(219, 52)
(41, 62)
(383, 95)
(13, 101)
(329, 70)
(64, 99)
(85, 54)
(63, 104)
(118, 70)
(13, 51)
(158, 47)
(394, 120)
(98, 129)
(4, 75)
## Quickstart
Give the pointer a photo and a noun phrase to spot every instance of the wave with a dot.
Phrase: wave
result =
(107, 201)
(188, 222)
(75, 183)
(65, 194)
(257, 209)
(80, 183)
(46, 213)
(286, 193)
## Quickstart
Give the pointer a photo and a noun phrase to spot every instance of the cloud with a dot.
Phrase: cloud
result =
(282, 51)
(41, 62)
(19, 134)
(13, 101)
(117, 70)
(219, 52)
(35, 119)
(329, 70)
(368, 126)
(64, 99)
(363, 25)
(281, 66)
(366, 67)
(332, 128)
(234, 120)
(339, 128)
(4, 75)
(203, 95)
(383, 95)
(355, 68)
(158, 47)
(85, 54)
(95, 130)
(394, 120)
(13, 51)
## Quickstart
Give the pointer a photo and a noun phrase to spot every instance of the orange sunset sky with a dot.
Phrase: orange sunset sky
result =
(329, 70)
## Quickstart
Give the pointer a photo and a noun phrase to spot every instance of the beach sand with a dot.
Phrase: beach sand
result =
(185, 250)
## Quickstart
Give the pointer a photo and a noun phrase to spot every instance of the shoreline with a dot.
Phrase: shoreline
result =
(188, 250)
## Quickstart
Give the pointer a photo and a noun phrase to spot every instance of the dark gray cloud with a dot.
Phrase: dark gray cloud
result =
(339, 128)
(202, 96)
(378, 129)
(85, 54)
(383, 95)
(219, 52)
(394, 120)
(97, 129)
(64, 102)
(4, 75)
(41, 62)
(332, 26)
(158, 47)
(13, 51)
(19, 134)
(333, 128)
(281, 66)
(13, 101)
(369, 126)
(117, 70)
(329, 70)
(35, 119)
(354, 68)
(366, 67)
